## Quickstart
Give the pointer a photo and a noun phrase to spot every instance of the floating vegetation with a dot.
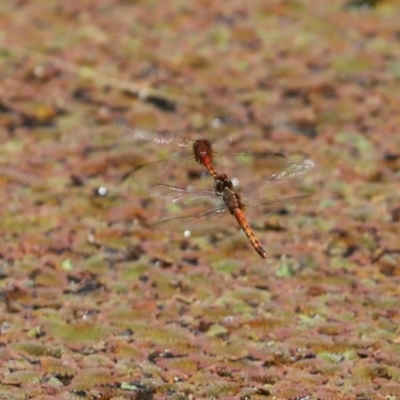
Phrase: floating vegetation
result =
(232, 350)
(89, 379)
(96, 303)
(363, 5)
(79, 332)
(218, 388)
(227, 266)
(18, 378)
(331, 328)
(171, 337)
(369, 372)
(217, 330)
(327, 393)
(127, 350)
(285, 391)
(251, 372)
(390, 390)
(178, 366)
(36, 349)
(50, 278)
(334, 358)
(59, 367)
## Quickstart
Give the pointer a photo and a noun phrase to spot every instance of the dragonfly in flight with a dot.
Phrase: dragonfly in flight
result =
(228, 201)
(212, 153)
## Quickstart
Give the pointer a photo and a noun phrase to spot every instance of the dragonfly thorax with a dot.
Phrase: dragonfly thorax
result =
(232, 200)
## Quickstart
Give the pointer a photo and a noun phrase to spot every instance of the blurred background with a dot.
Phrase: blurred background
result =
(85, 280)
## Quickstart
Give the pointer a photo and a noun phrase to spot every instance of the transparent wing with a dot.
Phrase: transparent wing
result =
(273, 205)
(224, 156)
(224, 159)
(223, 136)
(179, 164)
(164, 137)
(296, 169)
(231, 163)
(274, 186)
(184, 196)
(208, 219)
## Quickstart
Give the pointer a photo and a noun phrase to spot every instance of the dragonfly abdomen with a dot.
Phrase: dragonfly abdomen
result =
(242, 221)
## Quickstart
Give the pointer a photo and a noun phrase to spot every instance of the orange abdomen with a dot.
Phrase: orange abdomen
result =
(242, 221)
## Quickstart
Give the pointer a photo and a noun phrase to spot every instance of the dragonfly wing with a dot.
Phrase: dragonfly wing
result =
(270, 188)
(177, 163)
(273, 205)
(224, 138)
(184, 196)
(296, 169)
(194, 222)
(233, 162)
(230, 162)
(163, 137)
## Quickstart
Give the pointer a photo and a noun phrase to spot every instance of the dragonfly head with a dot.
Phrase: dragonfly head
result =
(202, 150)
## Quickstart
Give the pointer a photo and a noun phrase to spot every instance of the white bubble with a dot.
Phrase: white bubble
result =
(216, 123)
(235, 181)
(38, 71)
(142, 94)
(187, 233)
(102, 191)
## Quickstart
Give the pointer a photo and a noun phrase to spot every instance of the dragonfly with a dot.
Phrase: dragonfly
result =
(211, 153)
(228, 201)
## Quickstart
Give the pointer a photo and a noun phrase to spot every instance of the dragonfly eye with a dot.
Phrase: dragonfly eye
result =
(196, 151)
(225, 182)
(218, 186)
(221, 183)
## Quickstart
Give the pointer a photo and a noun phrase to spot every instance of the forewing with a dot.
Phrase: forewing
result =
(232, 163)
(209, 219)
(296, 169)
(189, 197)
(277, 185)
(224, 138)
(227, 160)
(184, 196)
(163, 137)
(177, 166)
(273, 205)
